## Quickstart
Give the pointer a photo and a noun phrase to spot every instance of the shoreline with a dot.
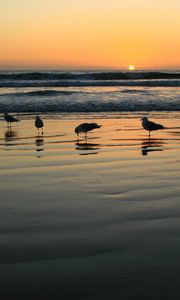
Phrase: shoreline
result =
(95, 219)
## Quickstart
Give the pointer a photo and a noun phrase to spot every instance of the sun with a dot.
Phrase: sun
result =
(131, 68)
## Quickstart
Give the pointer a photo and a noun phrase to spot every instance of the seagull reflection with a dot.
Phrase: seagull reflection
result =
(39, 144)
(151, 145)
(92, 147)
(10, 135)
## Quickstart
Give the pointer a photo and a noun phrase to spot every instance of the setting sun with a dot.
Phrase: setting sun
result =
(89, 34)
(131, 68)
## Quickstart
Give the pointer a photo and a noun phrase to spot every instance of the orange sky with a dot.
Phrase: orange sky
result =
(90, 34)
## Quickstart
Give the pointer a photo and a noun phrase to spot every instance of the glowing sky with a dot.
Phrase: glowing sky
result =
(95, 34)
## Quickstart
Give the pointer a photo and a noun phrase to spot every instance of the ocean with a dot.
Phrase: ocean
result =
(95, 218)
(89, 91)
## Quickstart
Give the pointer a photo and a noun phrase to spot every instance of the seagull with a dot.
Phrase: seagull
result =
(10, 119)
(39, 124)
(150, 126)
(85, 127)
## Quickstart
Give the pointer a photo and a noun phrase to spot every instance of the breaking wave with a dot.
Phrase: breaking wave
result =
(60, 105)
(89, 91)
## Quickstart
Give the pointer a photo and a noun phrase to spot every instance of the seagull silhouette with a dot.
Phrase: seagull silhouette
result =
(85, 127)
(150, 126)
(39, 124)
(10, 119)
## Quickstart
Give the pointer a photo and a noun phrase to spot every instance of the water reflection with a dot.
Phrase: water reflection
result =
(39, 142)
(151, 145)
(89, 148)
(10, 135)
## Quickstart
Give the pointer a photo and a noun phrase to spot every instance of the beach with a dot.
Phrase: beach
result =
(89, 215)
(90, 219)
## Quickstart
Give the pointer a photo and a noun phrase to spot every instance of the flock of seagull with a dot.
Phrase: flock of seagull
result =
(10, 119)
(84, 127)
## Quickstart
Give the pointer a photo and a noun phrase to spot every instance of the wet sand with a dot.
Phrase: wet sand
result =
(95, 219)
